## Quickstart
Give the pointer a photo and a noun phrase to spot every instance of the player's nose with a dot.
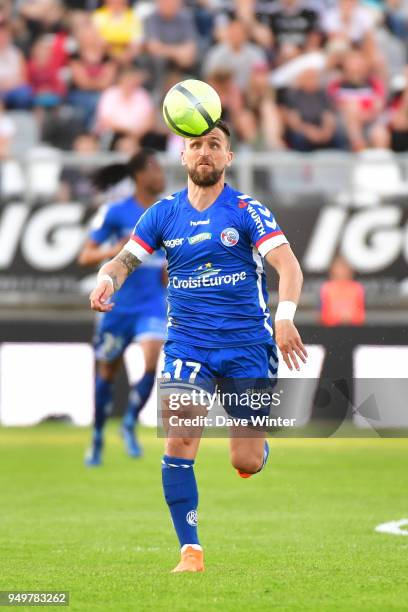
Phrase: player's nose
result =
(205, 149)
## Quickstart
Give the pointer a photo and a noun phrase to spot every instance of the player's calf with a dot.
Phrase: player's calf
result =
(246, 466)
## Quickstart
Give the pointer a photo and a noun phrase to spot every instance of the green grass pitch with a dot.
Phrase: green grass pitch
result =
(299, 536)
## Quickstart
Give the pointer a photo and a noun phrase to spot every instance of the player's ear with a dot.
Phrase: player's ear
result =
(183, 160)
(230, 157)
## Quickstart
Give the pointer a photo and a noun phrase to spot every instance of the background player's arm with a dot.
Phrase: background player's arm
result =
(111, 277)
(283, 260)
(93, 253)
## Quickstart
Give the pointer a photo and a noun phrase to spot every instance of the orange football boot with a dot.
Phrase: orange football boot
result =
(192, 560)
(244, 474)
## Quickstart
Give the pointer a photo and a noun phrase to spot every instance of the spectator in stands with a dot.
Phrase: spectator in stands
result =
(203, 14)
(397, 116)
(125, 144)
(76, 181)
(7, 131)
(126, 108)
(309, 115)
(14, 89)
(5, 11)
(44, 74)
(396, 18)
(233, 108)
(236, 54)
(259, 100)
(42, 17)
(121, 28)
(360, 99)
(81, 5)
(287, 30)
(342, 298)
(170, 36)
(92, 71)
(350, 25)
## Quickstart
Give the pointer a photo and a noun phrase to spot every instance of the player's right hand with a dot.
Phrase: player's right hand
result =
(100, 296)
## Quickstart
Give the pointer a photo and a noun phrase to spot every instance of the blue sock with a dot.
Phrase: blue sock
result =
(103, 404)
(138, 396)
(180, 491)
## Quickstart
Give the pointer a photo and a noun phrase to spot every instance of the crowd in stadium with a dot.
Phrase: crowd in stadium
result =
(291, 74)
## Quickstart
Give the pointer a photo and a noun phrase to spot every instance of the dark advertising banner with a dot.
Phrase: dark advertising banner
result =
(373, 240)
(39, 245)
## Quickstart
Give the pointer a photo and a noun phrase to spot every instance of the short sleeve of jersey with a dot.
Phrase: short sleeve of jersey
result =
(102, 225)
(146, 236)
(261, 226)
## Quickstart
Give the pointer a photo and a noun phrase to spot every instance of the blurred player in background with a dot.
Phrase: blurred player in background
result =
(219, 324)
(140, 309)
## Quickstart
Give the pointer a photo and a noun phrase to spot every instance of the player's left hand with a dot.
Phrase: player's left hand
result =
(290, 343)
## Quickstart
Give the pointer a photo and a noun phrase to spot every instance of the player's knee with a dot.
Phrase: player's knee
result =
(180, 447)
(249, 465)
(106, 371)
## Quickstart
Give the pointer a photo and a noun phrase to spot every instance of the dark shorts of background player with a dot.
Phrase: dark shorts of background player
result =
(115, 331)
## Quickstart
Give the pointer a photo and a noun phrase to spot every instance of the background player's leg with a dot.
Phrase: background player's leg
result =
(105, 374)
(139, 394)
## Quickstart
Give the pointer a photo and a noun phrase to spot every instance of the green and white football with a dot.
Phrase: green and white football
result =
(191, 108)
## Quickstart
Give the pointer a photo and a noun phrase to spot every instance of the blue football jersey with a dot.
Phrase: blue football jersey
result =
(217, 295)
(143, 291)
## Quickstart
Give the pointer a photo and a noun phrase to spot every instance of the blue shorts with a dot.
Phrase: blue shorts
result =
(225, 369)
(115, 331)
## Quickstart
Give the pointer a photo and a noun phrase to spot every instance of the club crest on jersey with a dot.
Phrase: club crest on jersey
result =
(229, 236)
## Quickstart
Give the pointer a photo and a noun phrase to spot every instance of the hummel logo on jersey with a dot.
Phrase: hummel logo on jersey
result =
(206, 222)
(173, 242)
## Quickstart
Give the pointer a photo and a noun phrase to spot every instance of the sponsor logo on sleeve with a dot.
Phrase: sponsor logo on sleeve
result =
(262, 217)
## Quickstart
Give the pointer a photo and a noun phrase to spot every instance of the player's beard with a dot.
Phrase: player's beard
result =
(204, 176)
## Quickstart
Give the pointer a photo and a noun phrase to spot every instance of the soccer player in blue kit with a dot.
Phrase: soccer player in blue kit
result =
(140, 308)
(218, 323)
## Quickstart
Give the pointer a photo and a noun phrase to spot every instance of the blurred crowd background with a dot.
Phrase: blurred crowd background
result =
(299, 75)
(316, 93)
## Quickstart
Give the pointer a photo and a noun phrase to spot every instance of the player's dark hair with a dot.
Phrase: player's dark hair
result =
(223, 125)
(114, 173)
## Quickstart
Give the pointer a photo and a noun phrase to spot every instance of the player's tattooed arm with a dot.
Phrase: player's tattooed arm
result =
(120, 267)
(111, 277)
(128, 261)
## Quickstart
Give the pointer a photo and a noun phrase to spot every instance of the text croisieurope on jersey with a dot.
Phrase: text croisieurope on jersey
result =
(212, 281)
